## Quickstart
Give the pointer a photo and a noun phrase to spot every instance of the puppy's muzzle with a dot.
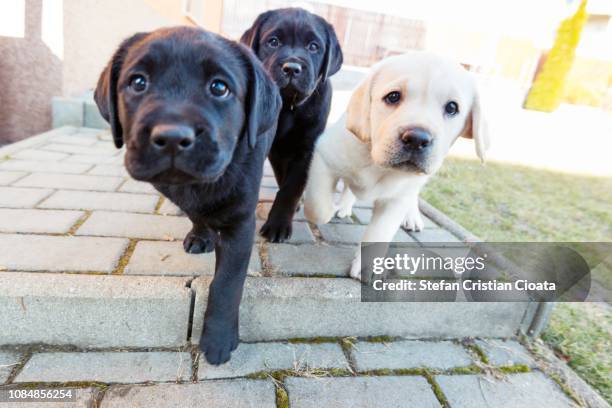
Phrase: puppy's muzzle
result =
(416, 140)
(172, 139)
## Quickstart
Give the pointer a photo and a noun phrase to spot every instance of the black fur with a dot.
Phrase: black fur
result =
(306, 100)
(216, 180)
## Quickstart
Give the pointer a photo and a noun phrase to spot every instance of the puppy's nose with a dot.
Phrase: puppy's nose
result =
(416, 139)
(292, 68)
(172, 138)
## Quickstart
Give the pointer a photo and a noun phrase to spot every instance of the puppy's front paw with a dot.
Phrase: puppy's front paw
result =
(413, 222)
(344, 211)
(276, 230)
(217, 345)
(199, 244)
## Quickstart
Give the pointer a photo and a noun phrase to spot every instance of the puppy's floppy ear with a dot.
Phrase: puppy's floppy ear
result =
(263, 101)
(359, 108)
(478, 129)
(105, 94)
(250, 37)
(332, 60)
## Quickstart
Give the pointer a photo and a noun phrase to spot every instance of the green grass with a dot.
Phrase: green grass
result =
(580, 334)
(509, 203)
(506, 203)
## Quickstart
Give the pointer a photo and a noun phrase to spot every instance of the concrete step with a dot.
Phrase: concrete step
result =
(97, 311)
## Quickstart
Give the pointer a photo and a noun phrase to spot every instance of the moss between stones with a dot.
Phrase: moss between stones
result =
(79, 222)
(313, 340)
(67, 384)
(564, 387)
(282, 398)
(159, 204)
(476, 349)
(471, 369)
(517, 368)
(380, 339)
(394, 371)
(125, 258)
(435, 387)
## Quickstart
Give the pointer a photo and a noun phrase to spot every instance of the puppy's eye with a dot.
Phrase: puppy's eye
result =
(451, 108)
(219, 88)
(313, 47)
(273, 42)
(138, 83)
(392, 97)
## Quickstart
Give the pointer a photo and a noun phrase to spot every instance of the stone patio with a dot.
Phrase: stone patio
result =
(97, 294)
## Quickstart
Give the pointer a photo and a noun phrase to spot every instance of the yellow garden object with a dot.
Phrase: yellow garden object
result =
(547, 90)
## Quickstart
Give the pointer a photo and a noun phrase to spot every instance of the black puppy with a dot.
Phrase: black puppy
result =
(300, 50)
(197, 114)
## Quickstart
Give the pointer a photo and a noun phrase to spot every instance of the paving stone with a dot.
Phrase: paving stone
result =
(108, 367)
(38, 221)
(70, 182)
(44, 167)
(39, 155)
(60, 253)
(8, 361)
(133, 186)
(310, 259)
(364, 215)
(7, 177)
(93, 311)
(360, 392)
(66, 111)
(268, 181)
(211, 394)
(168, 208)
(81, 139)
(436, 235)
(306, 307)
(131, 225)
(93, 200)
(108, 170)
(301, 234)
(84, 150)
(15, 197)
(267, 194)
(441, 355)
(352, 234)
(169, 258)
(92, 117)
(85, 159)
(506, 353)
(514, 390)
(250, 358)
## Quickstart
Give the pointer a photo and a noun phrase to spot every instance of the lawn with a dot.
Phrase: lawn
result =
(509, 203)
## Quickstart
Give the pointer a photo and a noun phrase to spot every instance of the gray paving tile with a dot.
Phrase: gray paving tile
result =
(441, 355)
(93, 200)
(60, 253)
(214, 394)
(37, 221)
(361, 392)
(15, 197)
(169, 258)
(514, 390)
(251, 358)
(132, 225)
(108, 367)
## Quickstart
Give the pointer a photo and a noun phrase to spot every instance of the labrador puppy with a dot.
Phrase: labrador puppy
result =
(197, 114)
(399, 125)
(300, 51)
